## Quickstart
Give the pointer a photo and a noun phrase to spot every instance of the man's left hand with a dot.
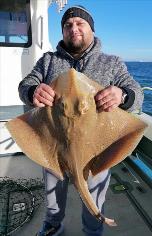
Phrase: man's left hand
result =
(108, 98)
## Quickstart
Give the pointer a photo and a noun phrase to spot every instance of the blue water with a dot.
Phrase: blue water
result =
(142, 72)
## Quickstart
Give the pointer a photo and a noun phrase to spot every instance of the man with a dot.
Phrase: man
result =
(79, 49)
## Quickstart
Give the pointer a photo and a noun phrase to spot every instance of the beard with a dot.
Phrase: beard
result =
(75, 47)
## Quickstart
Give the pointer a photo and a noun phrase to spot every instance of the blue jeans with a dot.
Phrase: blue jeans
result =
(56, 195)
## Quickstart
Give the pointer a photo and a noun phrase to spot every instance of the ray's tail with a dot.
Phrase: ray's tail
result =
(82, 187)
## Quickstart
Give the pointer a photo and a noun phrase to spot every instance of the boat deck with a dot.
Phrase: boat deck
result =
(131, 208)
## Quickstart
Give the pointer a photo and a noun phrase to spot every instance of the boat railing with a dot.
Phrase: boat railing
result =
(147, 88)
(143, 89)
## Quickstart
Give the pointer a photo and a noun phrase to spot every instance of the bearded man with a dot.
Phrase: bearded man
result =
(79, 49)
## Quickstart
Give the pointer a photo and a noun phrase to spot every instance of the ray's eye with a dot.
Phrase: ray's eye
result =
(61, 105)
(83, 107)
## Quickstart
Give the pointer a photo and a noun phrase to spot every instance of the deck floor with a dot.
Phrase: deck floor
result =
(118, 205)
(129, 222)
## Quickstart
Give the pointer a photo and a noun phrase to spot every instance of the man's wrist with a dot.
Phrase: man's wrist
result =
(129, 99)
(124, 96)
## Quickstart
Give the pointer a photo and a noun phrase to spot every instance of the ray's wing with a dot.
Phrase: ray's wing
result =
(118, 133)
(34, 132)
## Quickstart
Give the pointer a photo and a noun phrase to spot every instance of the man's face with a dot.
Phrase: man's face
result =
(77, 35)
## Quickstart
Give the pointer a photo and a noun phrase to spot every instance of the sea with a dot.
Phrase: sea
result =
(142, 72)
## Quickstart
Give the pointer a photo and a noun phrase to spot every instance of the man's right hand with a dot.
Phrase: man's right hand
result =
(43, 96)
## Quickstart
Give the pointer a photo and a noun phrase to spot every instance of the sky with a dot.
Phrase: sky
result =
(123, 26)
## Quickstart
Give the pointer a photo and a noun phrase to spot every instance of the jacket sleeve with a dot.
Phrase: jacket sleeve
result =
(28, 85)
(125, 81)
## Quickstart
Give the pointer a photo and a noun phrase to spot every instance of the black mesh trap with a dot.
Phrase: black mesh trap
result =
(18, 201)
